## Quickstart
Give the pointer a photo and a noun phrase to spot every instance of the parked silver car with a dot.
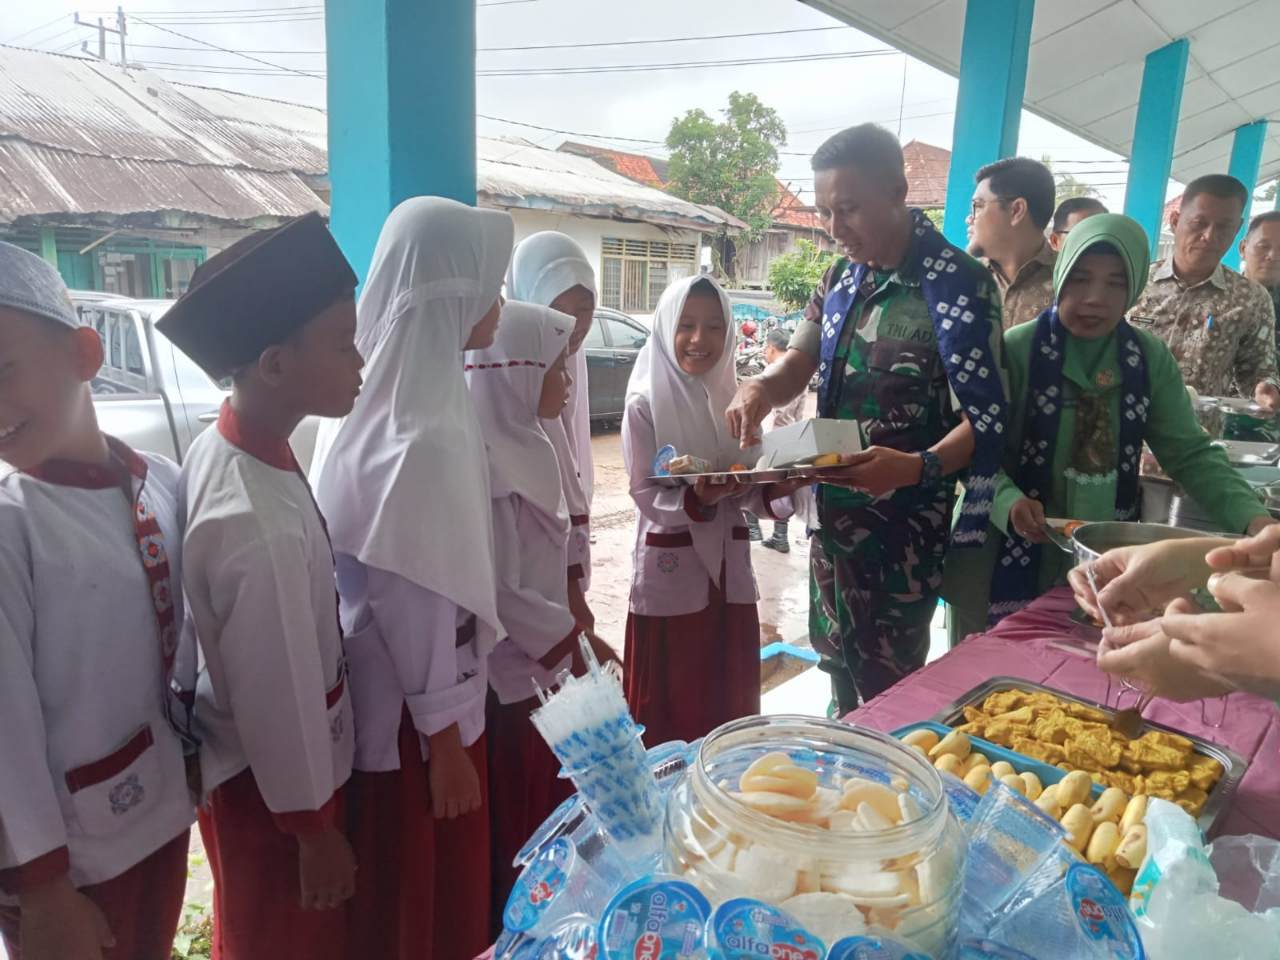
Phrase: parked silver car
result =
(149, 393)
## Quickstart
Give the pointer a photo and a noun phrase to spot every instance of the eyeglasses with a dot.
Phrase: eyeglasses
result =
(977, 205)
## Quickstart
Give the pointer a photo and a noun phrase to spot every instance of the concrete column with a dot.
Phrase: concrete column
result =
(993, 73)
(1246, 157)
(402, 110)
(1154, 133)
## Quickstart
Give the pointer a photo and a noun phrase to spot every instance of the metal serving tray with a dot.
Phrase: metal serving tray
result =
(1250, 453)
(742, 476)
(1233, 765)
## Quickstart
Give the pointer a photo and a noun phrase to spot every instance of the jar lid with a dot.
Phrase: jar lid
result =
(654, 918)
(747, 929)
(538, 886)
(873, 947)
(1102, 912)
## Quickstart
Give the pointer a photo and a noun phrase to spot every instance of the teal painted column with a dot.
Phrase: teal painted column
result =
(1154, 132)
(993, 73)
(402, 110)
(1246, 157)
(49, 245)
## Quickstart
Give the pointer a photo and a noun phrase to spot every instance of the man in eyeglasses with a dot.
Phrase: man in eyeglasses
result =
(1220, 326)
(1011, 207)
(1070, 212)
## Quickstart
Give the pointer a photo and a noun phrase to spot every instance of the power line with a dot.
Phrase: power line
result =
(632, 43)
(562, 46)
(27, 33)
(268, 63)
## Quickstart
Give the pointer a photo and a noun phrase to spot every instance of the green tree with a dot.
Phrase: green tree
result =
(1068, 185)
(730, 163)
(793, 276)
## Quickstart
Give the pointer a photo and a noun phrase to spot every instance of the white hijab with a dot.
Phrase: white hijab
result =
(545, 265)
(506, 383)
(404, 479)
(688, 411)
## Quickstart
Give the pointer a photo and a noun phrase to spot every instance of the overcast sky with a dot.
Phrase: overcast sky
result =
(814, 98)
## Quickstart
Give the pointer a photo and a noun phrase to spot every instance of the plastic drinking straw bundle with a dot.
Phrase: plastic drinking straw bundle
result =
(586, 723)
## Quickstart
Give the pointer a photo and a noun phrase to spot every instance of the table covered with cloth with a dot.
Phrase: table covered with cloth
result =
(1019, 646)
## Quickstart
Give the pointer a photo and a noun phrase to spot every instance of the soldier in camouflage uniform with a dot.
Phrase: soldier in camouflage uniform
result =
(873, 335)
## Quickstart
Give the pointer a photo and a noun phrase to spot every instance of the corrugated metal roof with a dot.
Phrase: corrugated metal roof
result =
(80, 136)
(519, 174)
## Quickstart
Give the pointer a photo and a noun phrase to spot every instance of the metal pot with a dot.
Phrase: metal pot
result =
(1094, 539)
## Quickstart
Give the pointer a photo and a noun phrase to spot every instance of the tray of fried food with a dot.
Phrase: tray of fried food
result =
(1072, 733)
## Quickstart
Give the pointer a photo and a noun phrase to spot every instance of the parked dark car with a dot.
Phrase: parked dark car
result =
(612, 345)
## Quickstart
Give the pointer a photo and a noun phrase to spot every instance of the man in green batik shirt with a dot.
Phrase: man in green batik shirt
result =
(1099, 276)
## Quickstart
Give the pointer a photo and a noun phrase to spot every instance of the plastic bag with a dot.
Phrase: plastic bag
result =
(1193, 903)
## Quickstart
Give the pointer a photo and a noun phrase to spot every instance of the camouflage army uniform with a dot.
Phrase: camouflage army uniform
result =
(1031, 290)
(876, 565)
(1222, 331)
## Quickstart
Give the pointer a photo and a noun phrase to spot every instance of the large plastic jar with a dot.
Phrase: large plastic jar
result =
(838, 878)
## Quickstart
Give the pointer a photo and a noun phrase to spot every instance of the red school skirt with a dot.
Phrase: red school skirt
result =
(422, 885)
(142, 906)
(686, 675)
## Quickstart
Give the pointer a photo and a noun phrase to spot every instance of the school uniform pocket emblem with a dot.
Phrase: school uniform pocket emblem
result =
(668, 562)
(336, 727)
(126, 795)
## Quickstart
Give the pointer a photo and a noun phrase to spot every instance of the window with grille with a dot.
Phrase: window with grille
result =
(633, 273)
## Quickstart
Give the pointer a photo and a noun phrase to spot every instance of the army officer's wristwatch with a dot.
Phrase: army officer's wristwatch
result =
(931, 473)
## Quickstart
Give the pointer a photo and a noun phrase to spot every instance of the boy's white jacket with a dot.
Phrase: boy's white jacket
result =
(259, 583)
(81, 679)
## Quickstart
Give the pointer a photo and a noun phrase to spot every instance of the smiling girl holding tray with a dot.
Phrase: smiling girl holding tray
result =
(693, 634)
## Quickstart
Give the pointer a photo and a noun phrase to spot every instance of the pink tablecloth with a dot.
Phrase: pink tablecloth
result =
(1018, 647)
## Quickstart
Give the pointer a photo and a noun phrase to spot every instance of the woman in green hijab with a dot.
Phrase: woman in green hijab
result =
(1087, 391)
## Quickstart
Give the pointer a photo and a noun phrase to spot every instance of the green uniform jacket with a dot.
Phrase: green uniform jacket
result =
(1173, 433)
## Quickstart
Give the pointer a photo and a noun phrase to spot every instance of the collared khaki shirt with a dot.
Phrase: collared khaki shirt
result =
(1222, 331)
(1030, 291)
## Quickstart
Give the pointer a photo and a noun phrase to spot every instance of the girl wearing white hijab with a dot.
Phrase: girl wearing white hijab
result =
(552, 270)
(404, 483)
(693, 635)
(518, 385)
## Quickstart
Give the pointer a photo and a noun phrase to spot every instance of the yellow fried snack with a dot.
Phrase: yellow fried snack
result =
(1165, 739)
(1003, 701)
(1192, 800)
(1049, 753)
(1154, 756)
(1089, 751)
(1205, 771)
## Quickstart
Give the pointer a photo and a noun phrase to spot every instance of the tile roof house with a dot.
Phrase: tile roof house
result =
(927, 168)
(792, 218)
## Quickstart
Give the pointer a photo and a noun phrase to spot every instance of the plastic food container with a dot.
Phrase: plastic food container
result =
(901, 877)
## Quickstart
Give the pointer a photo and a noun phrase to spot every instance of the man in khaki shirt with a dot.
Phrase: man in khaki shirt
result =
(1260, 254)
(1220, 326)
(1011, 207)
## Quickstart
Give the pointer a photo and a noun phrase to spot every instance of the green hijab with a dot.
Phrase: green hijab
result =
(1123, 233)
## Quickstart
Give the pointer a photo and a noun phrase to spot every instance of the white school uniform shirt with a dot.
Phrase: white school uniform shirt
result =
(408, 648)
(90, 770)
(533, 600)
(668, 576)
(259, 581)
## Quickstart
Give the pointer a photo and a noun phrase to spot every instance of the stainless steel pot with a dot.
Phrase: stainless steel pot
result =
(1094, 539)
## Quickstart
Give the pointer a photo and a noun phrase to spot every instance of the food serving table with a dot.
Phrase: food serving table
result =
(1020, 646)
